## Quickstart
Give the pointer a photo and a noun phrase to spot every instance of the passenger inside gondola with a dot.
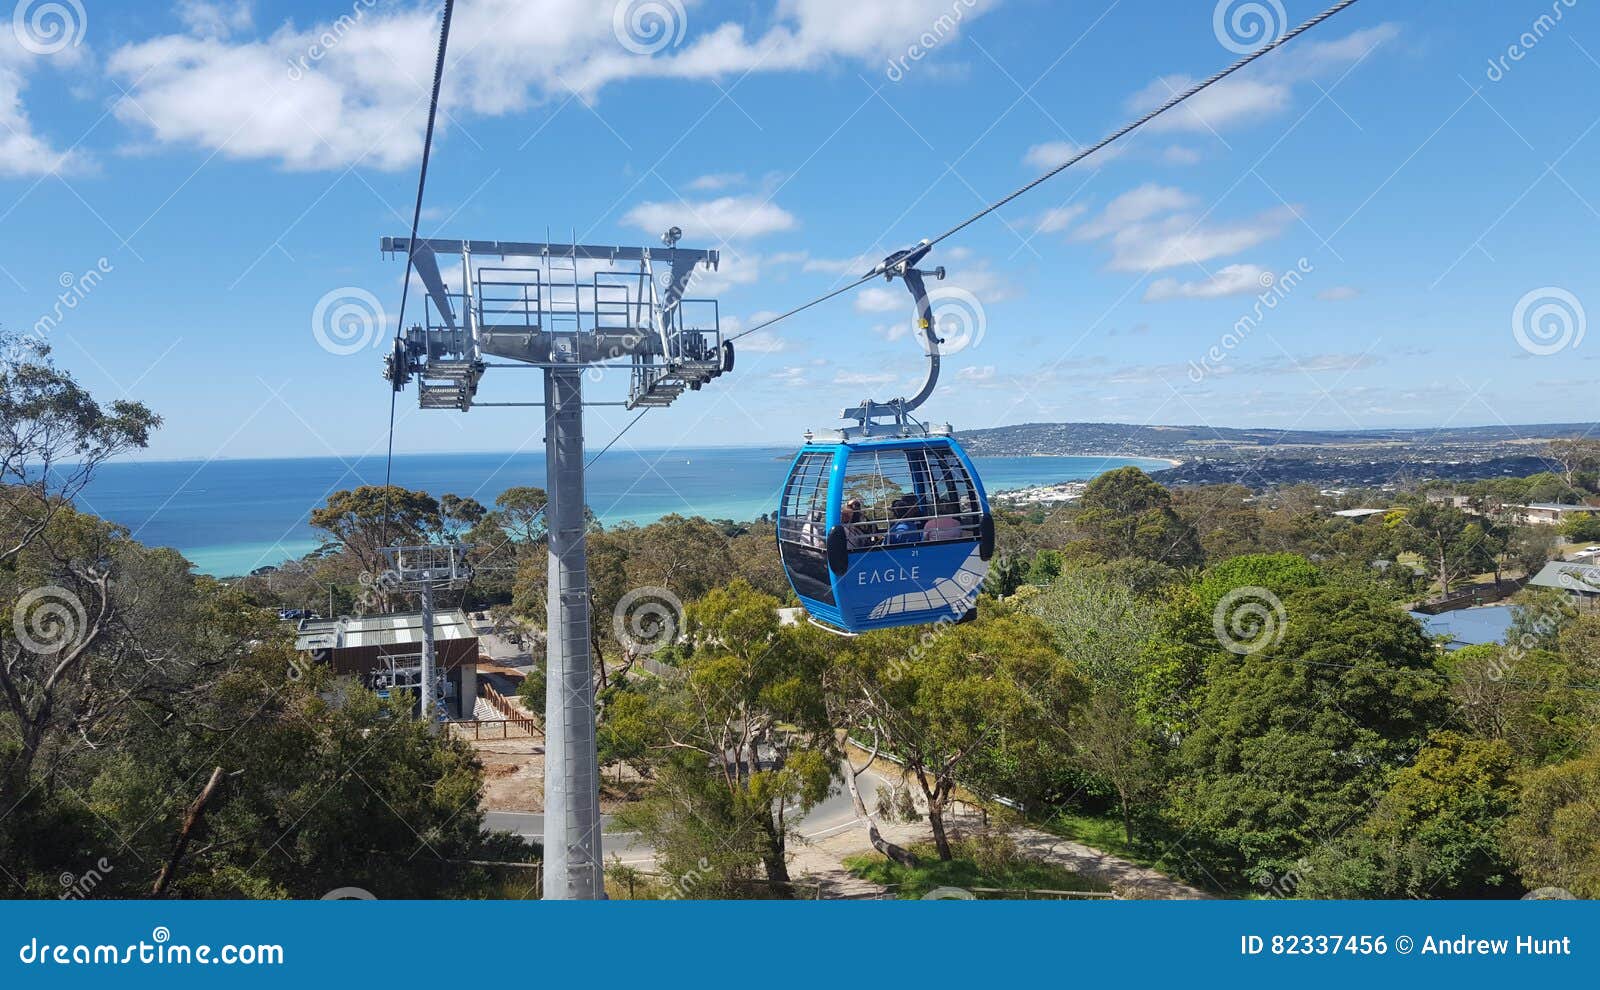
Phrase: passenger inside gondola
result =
(857, 531)
(944, 525)
(906, 528)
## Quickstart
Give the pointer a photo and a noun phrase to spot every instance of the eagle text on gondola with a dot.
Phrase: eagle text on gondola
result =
(889, 574)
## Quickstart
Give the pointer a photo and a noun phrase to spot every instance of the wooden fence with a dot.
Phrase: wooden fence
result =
(500, 728)
(513, 723)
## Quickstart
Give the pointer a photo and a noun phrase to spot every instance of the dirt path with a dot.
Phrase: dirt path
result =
(822, 859)
(820, 856)
(1129, 880)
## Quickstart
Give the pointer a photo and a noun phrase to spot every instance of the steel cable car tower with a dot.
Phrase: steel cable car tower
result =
(564, 309)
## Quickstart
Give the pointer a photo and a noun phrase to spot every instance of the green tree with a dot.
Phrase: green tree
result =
(1296, 739)
(1529, 548)
(54, 436)
(458, 515)
(1125, 514)
(1453, 544)
(1583, 527)
(62, 635)
(1101, 627)
(945, 700)
(362, 521)
(1434, 833)
(519, 512)
(1554, 835)
(1575, 455)
(1186, 642)
(740, 736)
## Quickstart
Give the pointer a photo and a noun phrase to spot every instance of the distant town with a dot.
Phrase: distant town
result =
(1264, 458)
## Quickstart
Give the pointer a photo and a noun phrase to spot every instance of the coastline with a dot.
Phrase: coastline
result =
(1062, 492)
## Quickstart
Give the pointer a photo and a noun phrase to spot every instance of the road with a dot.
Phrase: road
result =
(622, 845)
(833, 815)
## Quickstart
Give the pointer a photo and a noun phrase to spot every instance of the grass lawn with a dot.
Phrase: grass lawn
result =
(1103, 832)
(964, 872)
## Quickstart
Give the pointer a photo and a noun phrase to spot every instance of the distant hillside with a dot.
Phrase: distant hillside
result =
(1188, 441)
(1265, 458)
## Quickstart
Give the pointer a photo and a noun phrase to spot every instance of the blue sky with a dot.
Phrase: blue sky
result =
(1421, 195)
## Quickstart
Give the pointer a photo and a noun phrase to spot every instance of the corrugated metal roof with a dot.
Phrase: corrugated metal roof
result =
(396, 629)
(1569, 577)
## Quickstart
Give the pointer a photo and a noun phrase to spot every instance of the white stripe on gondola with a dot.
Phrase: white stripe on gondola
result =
(958, 593)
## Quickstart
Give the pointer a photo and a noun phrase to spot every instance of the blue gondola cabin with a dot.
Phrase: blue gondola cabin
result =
(882, 533)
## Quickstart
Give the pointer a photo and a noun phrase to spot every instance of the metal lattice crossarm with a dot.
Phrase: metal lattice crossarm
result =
(549, 304)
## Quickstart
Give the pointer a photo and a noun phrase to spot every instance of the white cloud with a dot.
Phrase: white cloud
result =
(877, 299)
(1312, 364)
(1223, 105)
(793, 376)
(975, 375)
(1052, 153)
(868, 379)
(762, 341)
(353, 89)
(1179, 239)
(215, 18)
(717, 181)
(1131, 207)
(1234, 280)
(1178, 154)
(1339, 293)
(22, 152)
(892, 332)
(727, 218)
(1268, 91)
(859, 265)
(1060, 218)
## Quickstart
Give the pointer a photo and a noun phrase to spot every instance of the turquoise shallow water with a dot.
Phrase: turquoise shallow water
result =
(231, 516)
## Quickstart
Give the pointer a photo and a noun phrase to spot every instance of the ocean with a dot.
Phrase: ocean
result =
(229, 517)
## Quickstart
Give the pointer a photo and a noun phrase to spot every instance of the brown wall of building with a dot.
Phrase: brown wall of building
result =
(365, 659)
